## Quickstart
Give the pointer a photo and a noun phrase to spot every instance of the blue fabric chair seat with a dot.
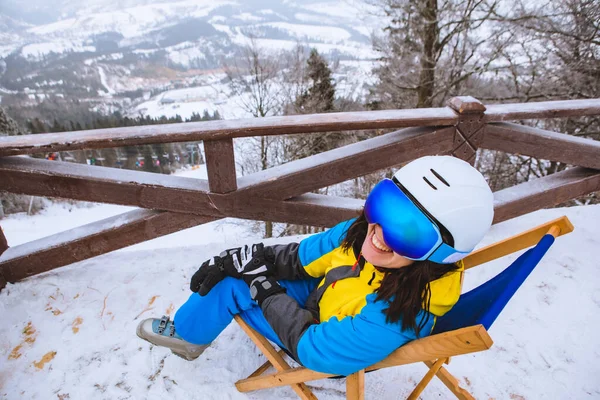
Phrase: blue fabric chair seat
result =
(483, 304)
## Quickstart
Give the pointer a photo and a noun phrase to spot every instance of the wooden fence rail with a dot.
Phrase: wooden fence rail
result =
(169, 203)
(228, 129)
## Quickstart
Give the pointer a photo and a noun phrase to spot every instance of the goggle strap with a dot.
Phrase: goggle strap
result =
(445, 254)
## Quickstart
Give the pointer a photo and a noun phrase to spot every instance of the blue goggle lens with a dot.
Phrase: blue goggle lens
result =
(406, 229)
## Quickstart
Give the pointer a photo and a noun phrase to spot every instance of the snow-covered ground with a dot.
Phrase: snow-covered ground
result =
(70, 333)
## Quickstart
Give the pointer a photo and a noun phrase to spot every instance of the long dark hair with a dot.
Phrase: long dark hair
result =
(405, 289)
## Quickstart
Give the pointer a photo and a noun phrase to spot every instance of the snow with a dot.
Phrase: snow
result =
(187, 52)
(82, 319)
(130, 22)
(319, 19)
(145, 51)
(37, 50)
(104, 81)
(354, 77)
(337, 9)
(211, 97)
(349, 49)
(184, 110)
(329, 34)
(247, 17)
(6, 50)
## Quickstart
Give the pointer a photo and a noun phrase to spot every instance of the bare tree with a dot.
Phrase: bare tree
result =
(254, 81)
(430, 49)
(253, 78)
(294, 77)
(554, 54)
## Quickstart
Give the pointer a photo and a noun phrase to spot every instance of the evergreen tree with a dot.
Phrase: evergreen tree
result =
(8, 126)
(320, 96)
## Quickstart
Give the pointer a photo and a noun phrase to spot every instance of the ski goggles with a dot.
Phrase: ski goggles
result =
(408, 229)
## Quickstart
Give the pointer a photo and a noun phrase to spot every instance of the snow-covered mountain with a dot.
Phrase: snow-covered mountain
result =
(111, 48)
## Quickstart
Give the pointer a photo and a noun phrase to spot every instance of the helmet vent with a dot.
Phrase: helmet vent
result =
(429, 183)
(439, 177)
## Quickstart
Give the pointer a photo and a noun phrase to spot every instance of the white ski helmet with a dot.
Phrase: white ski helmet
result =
(455, 194)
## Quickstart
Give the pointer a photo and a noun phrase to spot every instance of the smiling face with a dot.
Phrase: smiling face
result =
(375, 251)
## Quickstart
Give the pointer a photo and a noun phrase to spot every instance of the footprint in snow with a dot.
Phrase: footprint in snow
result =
(596, 297)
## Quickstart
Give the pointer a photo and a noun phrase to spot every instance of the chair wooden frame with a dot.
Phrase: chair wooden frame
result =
(434, 350)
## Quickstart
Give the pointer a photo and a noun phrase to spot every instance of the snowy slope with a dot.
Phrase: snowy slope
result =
(72, 331)
(139, 21)
(130, 22)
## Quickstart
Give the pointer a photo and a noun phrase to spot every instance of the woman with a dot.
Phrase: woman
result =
(342, 300)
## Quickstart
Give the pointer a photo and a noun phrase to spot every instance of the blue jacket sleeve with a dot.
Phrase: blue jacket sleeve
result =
(345, 346)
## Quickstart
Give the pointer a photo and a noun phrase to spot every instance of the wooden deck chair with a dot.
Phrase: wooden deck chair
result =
(463, 330)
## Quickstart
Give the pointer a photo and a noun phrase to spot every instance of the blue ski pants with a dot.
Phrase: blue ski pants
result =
(202, 318)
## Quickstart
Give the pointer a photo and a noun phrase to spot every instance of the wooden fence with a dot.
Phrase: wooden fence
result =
(281, 194)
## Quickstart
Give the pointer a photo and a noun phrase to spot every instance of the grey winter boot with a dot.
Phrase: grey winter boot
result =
(161, 332)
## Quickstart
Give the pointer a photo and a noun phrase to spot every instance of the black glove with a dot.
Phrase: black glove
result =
(262, 287)
(258, 275)
(238, 262)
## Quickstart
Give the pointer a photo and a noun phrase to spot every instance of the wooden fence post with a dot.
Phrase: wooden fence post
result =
(3, 247)
(469, 128)
(220, 165)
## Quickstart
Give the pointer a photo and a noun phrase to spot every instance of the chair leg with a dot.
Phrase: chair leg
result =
(426, 379)
(260, 370)
(355, 386)
(451, 383)
(274, 358)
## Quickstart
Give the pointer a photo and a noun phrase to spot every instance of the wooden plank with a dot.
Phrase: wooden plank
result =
(517, 242)
(309, 123)
(274, 358)
(220, 165)
(347, 162)
(542, 110)
(92, 183)
(554, 231)
(3, 242)
(461, 341)
(414, 395)
(466, 105)
(284, 378)
(176, 194)
(3, 247)
(539, 143)
(355, 386)
(224, 129)
(469, 127)
(544, 192)
(451, 383)
(91, 240)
